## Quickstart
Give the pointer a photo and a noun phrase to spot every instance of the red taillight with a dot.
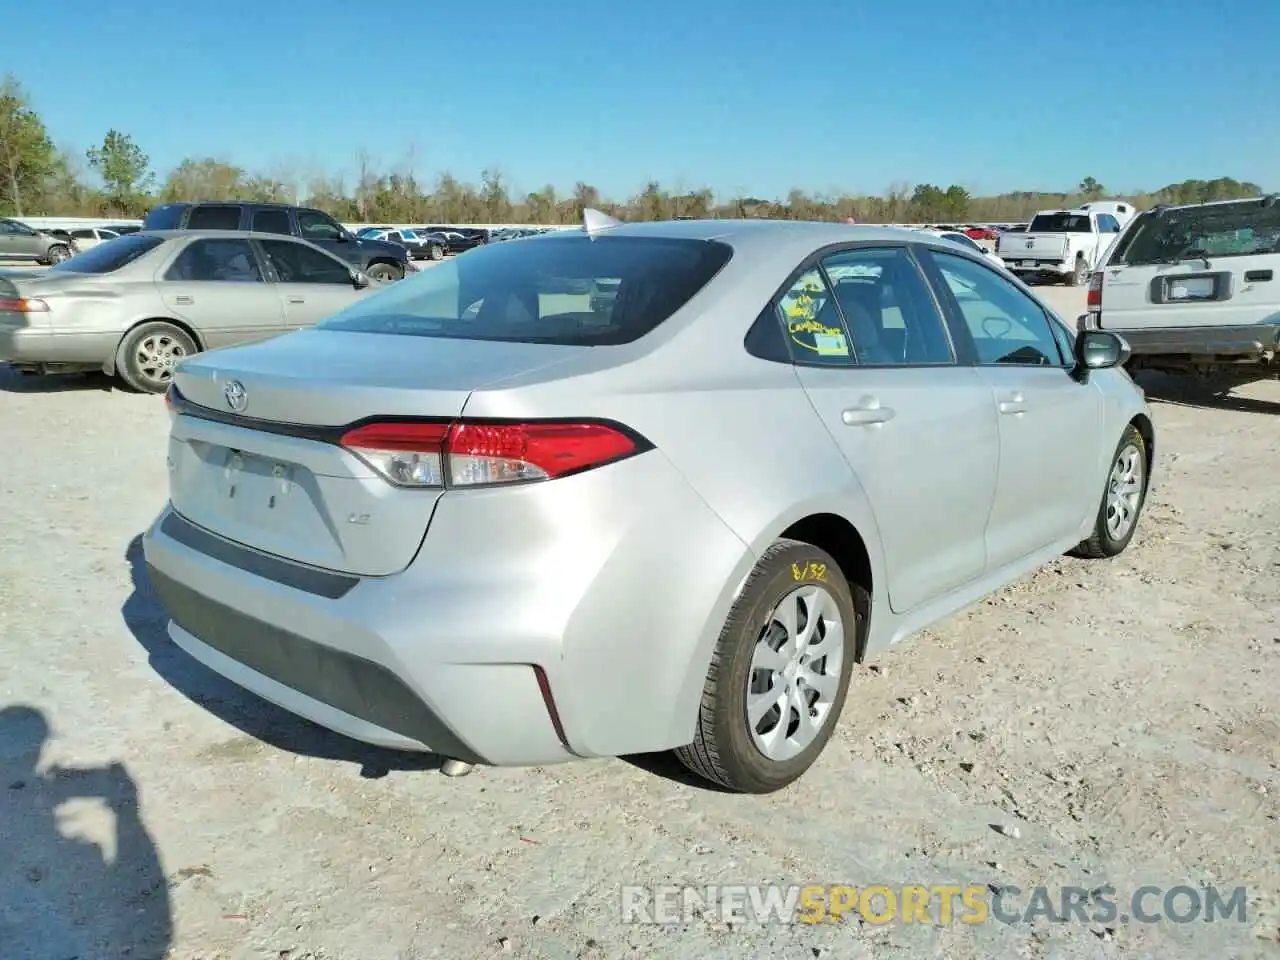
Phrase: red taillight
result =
(1094, 299)
(23, 305)
(469, 453)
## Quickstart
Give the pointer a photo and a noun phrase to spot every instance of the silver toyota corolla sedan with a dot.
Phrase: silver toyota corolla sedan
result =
(136, 305)
(634, 488)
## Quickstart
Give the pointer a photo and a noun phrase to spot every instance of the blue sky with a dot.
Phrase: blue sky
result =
(738, 95)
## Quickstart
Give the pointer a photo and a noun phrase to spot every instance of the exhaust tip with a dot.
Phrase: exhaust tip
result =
(456, 768)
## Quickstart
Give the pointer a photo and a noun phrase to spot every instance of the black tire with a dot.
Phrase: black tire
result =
(383, 272)
(56, 254)
(1101, 543)
(722, 750)
(170, 342)
(437, 252)
(1079, 272)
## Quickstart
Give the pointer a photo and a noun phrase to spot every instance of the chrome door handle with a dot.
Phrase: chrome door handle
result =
(1013, 405)
(185, 300)
(297, 300)
(867, 415)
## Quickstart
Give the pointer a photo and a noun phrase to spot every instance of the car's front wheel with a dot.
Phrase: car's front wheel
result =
(384, 272)
(779, 673)
(1123, 497)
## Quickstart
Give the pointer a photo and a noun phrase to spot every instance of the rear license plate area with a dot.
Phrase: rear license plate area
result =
(1028, 263)
(258, 490)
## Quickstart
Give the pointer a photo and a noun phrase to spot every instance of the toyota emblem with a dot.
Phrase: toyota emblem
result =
(237, 396)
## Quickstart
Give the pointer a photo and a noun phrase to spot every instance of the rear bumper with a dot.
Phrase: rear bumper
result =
(35, 345)
(1247, 341)
(617, 606)
(1056, 267)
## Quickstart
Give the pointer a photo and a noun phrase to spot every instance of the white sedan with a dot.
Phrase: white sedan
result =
(92, 236)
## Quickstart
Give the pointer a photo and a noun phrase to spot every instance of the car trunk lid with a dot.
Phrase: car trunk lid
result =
(254, 454)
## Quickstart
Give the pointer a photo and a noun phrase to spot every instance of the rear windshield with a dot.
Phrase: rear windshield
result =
(167, 217)
(1215, 230)
(1060, 223)
(109, 255)
(572, 290)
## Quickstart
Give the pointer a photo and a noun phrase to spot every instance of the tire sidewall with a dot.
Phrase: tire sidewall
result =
(1110, 544)
(789, 568)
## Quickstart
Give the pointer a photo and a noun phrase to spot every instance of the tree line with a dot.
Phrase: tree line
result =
(115, 179)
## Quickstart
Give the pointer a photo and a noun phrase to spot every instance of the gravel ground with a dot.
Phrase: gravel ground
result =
(1099, 722)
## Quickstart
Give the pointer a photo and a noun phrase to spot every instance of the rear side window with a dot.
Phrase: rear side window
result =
(1215, 230)
(229, 261)
(210, 216)
(272, 221)
(109, 257)
(573, 290)
(83, 235)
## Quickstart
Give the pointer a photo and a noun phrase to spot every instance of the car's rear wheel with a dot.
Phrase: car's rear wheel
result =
(1123, 497)
(1079, 273)
(383, 272)
(779, 673)
(57, 253)
(149, 353)
(437, 252)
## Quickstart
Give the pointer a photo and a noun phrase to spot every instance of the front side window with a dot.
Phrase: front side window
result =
(1007, 326)
(298, 263)
(887, 307)
(314, 225)
(226, 261)
(109, 257)
(209, 216)
(573, 290)
(1108, 223)
(1240, 228)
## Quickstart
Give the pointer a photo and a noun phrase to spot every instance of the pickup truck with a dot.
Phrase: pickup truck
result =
(1063, 244)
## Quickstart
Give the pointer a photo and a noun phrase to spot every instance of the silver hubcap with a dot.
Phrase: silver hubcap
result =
(58, 254)
(1124, 492)
(795, 673)
(157, 355)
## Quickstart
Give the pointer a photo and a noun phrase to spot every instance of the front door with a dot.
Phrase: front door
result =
(312, 284)
(918, 429)
(217, 286)
(1050, 459)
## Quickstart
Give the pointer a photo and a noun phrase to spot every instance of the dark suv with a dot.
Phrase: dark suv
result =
(377, 258)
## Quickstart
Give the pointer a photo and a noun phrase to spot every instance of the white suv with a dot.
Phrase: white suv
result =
(1196, 289)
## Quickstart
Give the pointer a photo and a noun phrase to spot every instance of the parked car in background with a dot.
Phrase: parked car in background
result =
(21, 242)
(981, 233)
(378, 259)
(1195, 289)
(88, 237)
(945, 433)
(1065, 245)
(136, 306)
(963, 240)
(421, 246)
(459, 239)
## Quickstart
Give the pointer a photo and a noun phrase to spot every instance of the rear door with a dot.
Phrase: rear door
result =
(1212, 265)
(217, 285)
(917, 427)
(1049, 422)
(311, 283)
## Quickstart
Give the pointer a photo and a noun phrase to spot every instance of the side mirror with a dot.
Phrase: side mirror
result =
(1101, 350)
(359, 279)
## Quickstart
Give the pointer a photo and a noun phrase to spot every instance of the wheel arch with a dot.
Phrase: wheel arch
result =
(837, 536)
(1142, 423)
(109, 367)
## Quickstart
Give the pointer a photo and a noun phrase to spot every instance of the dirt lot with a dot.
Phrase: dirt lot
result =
(1101, 722)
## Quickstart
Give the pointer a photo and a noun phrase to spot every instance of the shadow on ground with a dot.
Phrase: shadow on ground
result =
(1190, 392)
(11, 381)
(250, 714)
(72, 885)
